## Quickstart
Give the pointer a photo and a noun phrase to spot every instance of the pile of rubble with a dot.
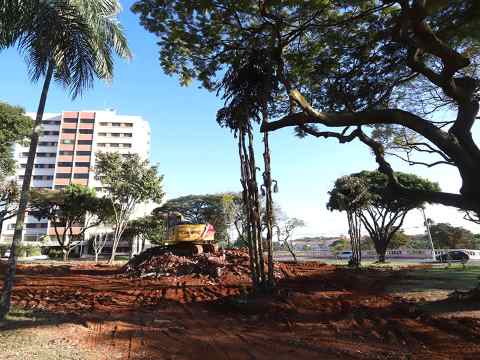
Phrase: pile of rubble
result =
(157, 262)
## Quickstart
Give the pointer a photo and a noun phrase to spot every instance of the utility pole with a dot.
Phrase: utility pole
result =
(427, 226)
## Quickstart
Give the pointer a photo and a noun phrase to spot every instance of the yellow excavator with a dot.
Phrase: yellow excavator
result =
(188, 239)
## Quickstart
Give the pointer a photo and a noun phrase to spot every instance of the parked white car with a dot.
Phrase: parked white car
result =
(344, 255)
(6, 255)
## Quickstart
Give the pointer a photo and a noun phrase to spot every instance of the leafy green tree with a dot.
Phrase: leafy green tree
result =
(72, 211)
(339, 245)
(15, 127)
(476, 241)
(399, 240)
(446, 236)
(351, 194)
(70, 41)
(9, 194)
(148, 228)
(366, 69)
(128, 181)
(381, 215)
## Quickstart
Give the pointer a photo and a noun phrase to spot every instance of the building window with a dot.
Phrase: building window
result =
(24, 154)
(116, 124)
(115, 134)
(60, 187)
(80, 176)
(47, 143)
(65, 152)
(63, 176)
(51, 122)
(84, 153)
(42, 154)
(36, 225)
(101, 144)
(127, 124)
(42, 166)
(127, 134)
(42, 177)
(49, 133)
(86, 131)
(69, 131)
(70, 121)
(126, 145)
(67, 141)
(114, 145)
(82, 164)
(65, 164)
(11, 227)
(84, 142)
(87, 121)
(104, 123)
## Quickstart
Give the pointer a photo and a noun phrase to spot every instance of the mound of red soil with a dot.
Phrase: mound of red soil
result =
(157, 262)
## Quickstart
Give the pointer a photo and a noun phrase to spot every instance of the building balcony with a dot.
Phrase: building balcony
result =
(68, 136)
(85, 137)
(62, 181)
(65, 158)
(51, 230)
(84, 147)
(82, 159)
(66, 147)
(69, 125)
(70, 114)
(86, 126)
(87, 115)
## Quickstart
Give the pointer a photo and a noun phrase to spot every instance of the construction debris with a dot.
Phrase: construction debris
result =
(156, 262)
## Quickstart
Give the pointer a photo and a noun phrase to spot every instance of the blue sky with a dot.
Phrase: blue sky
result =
(196, 155)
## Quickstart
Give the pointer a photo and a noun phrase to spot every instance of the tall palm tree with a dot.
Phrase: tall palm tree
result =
(71, 42)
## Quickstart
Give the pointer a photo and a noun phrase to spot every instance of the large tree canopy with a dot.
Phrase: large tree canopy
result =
(382, 215)
(382, 72)
(446, 236)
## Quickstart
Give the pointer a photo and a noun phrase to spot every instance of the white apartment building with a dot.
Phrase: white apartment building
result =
(66, 155)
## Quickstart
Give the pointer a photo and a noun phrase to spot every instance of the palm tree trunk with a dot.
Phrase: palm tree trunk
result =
(5, 299)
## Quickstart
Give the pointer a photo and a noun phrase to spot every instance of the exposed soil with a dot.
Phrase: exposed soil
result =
(318, 311)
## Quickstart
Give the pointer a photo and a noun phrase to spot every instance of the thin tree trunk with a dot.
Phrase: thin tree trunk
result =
(267, 181)
(245, 178)
(115, 243)
(257, 224)
(5, 299)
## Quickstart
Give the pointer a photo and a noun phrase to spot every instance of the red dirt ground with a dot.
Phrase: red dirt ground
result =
(317, 312)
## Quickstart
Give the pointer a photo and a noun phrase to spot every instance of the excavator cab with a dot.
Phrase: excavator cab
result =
(189, 239)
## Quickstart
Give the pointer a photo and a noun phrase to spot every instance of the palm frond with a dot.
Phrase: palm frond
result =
(79, 37)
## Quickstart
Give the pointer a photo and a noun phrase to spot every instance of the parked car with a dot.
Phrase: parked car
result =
(344, 255)
(6, 255)
(453, 256)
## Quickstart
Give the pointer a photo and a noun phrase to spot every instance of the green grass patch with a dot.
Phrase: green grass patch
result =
(447, 278)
